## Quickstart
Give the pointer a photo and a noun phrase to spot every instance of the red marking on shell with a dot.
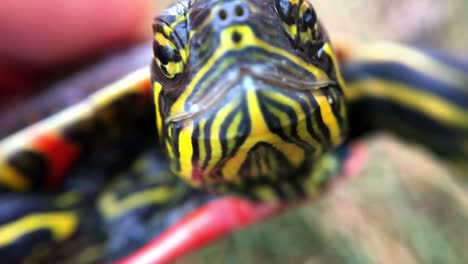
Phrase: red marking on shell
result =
(60, 155)
(147, 88)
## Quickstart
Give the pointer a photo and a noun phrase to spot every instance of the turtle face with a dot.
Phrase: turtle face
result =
(245, 91)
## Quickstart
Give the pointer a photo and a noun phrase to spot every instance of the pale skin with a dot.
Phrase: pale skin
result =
(55, 32)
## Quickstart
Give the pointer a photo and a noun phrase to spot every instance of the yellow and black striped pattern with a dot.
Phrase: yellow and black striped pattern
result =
(421, 95)
(169, 56)
(252, 104)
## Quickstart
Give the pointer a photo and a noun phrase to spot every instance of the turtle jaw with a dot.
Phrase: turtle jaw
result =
(259, 128)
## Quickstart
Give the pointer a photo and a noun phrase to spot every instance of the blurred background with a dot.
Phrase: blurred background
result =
(406, 207)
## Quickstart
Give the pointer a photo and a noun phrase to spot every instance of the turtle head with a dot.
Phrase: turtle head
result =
(247, 92)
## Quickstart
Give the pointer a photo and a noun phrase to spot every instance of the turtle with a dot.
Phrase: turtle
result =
(245, 109)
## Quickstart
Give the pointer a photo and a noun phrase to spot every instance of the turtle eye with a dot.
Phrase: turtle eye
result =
(299, 21)
(167, 52)
(308, 27)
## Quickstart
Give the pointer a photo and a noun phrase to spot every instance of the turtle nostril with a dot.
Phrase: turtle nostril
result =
(222, 14)
(239, 11)
(231, 12)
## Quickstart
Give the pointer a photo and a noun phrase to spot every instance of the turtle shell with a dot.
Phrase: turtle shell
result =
(90, 165)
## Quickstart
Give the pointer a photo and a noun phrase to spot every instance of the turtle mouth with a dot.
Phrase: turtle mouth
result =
(261, 74)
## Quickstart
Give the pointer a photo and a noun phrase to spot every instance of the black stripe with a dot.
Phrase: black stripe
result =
(297, 186)
(33, 165)
(278, 190)
(223, 133)
(196, 147)
(317, 117)
(274, 122)
(15, 206)
(379, 113)
(307, 114)
(19, 251)
(460, 62)
(400, 73)
(336, 106)
(208, 148)
(310, 112)
(244, 128)
(182, 33)
(198, 16)
(175, 142)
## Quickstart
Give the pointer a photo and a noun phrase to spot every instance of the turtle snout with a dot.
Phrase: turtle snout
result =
(232, 13)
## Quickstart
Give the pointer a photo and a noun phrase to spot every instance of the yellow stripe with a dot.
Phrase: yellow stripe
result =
(162, 40)
(215, 141)
(391, 52)
(12, 179)
(329, 51)
(113, 208)
(265, 194)
(293, 29)
(301, 117)
(186, 152)
(159, 122)
(233, 128)
(179, 19)
(248, 40)
(313, 183)
(67, 199)
(260, 133)
(167, 30)
(137, 81)
(431, 105)
(169, 149)
(61, 224)
(329, 118)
